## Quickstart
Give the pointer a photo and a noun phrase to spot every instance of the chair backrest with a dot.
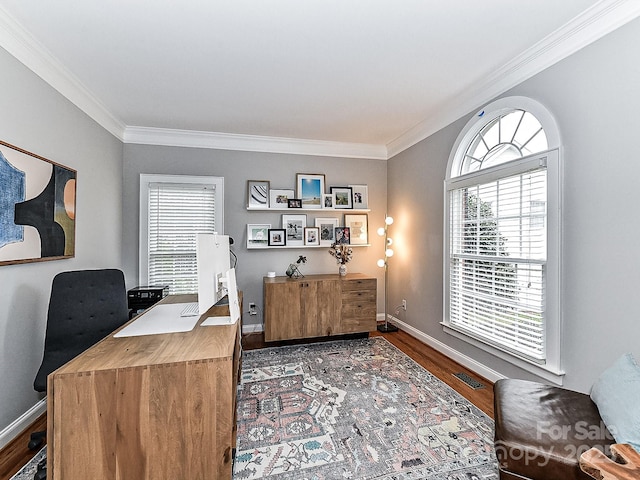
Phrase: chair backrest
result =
(85, 306)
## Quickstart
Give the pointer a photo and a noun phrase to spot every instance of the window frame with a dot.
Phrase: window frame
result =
(145, 181)
(551, 368)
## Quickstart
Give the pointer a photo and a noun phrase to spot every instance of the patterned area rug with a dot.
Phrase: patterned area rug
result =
(29, 470)
(355, 409)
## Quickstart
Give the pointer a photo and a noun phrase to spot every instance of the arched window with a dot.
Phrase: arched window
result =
(502, 235)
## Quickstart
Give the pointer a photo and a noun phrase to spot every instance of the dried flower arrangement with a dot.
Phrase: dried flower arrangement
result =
(342, 253)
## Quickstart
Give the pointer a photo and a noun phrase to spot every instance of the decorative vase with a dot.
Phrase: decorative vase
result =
(293, 271)
(290, 270)
(342, 269)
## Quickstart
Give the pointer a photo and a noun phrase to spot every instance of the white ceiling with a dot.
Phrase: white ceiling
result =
(355, 77)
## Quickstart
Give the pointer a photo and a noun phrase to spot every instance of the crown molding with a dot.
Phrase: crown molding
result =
(591, 25)
(16, 40)
(595, 22)
(251, 143)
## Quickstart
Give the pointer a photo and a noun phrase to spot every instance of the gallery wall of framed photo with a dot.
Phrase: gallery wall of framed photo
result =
(312, 213)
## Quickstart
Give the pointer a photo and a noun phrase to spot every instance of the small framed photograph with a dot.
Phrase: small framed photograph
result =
(344, 198)
(258, 235)
(277, 237)
(258, 194)
(343, 236)
(294, 226)
(358, 228)
(294, 203)
(278, 197)
(360, 195)
(328, 201)
(310, 189)
(312, 236)
(327, 230)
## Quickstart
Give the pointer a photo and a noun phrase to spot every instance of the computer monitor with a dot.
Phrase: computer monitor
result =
(212, 253)
(232, 288)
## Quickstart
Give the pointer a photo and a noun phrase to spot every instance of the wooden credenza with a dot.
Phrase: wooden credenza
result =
(318, 305)
(150, 407)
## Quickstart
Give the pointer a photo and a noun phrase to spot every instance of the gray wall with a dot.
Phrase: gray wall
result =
(593, 94)
(38, 119)
(595, 98)
(280, 170)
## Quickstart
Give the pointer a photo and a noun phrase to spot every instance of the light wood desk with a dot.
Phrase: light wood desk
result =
(149, 407)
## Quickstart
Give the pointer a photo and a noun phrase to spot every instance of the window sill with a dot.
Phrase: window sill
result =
(547, 372)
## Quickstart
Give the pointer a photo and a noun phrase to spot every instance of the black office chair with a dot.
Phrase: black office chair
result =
(85, 306)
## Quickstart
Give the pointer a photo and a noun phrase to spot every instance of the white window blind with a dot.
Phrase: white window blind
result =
(176, 212)
(497, 255)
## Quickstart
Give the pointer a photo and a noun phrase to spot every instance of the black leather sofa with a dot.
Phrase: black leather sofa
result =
(541, 431)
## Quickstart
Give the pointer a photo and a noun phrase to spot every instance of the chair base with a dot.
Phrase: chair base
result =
(36, 440)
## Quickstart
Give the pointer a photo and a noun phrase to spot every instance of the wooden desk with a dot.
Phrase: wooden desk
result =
(149, 407)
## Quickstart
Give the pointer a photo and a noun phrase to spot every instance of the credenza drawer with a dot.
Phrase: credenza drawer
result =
(359, 284)
(357, 296)
(358, 310)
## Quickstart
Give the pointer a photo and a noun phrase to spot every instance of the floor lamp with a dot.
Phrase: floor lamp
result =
(383, 263)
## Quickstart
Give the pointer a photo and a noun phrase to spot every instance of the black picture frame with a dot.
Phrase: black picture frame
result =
(277, 237)
(344, 197)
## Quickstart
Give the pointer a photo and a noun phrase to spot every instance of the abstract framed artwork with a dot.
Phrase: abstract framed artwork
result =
(37, 207)
(310, 189)
(257, 194)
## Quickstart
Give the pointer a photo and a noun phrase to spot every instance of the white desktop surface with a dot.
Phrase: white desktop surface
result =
(163, 318)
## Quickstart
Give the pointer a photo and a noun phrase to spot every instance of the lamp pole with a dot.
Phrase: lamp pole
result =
(384, 262)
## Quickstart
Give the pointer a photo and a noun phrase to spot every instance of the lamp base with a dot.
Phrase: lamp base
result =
(387, 327)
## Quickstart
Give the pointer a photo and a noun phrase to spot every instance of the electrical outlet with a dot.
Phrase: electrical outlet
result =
(252, 309)
(404, 304)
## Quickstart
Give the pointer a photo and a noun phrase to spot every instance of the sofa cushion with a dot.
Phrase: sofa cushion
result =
(616, 393)
(541, 430)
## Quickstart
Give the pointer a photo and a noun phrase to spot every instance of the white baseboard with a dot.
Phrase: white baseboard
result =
(251, 328)
(21, 424)
(452, 353)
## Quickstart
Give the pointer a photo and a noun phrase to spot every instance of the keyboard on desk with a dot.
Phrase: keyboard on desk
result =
(190, 310)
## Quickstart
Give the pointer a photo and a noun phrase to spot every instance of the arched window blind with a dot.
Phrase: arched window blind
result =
(502, 201)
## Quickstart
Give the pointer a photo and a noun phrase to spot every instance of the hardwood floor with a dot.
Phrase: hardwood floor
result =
(16, 454)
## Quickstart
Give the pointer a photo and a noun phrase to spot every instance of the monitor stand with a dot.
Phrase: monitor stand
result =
(223, 301)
